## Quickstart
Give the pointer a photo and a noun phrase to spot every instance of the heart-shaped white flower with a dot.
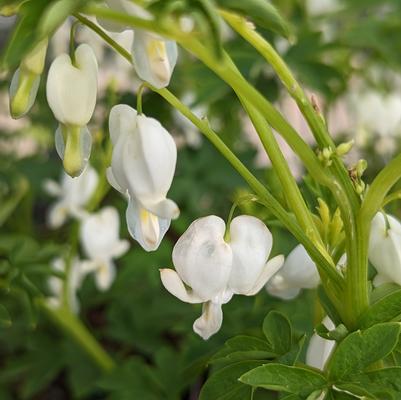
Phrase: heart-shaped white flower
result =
(210, 270)
(142, 168)
(71, 93)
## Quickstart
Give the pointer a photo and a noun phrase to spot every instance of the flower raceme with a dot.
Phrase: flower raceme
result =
(71, 93)
(298, 272)
(385, 248)
(142, 168)
(25, 82)
(100, 240)
(210, 269)
(72, 196)
(154, 57)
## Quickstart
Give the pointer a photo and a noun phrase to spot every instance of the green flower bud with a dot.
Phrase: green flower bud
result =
(25, 82)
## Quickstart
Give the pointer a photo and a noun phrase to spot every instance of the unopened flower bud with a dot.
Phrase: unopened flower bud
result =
(344, 148)
(25, 82)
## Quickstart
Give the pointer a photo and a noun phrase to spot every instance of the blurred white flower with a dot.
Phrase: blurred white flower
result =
(319, 7)
(385, 248)
(142, 168)
(100, 240)
(210, 270)
(319, 349)
(298, 272)
(154, 57)
(71, 93)
(72, 194)
(25, 82)
(75, 276)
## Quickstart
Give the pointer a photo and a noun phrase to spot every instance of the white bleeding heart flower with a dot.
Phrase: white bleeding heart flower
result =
(298, 272)
(210, 270)
(385, 248)
(25, 82)
(319, 349)
(101, 243)
(154, 57)
(142, 168)
(71, 93)
(73, 194)
(75, 276)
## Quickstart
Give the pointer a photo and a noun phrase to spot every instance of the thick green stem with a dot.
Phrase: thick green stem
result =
(312, 116)
(288, 183)
(265, 196)
(381, 185)
(71, 325)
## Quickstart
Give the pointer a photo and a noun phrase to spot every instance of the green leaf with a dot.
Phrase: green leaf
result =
(5, 319)
(383, 383)
(283, 378)
(362, 348)
(24, 36)
(244, 348)
(384, 310)
(261, 12)
(339, 333)
(224, 384)
(278, 332)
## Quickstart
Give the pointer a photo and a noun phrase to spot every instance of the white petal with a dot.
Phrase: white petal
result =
(271, 267)
(78, 191)
(23, 90)
(154, 58)
(202, 258)
(319, 349)
(57, 215)
(147, 229)
(122, 119)
(299, 271)
(71, 90)
(210, 321)
(385, 248)
(149, 160)
(251, 243)
(51, 187)
(166, 209)
(99, 233)
(105, 275)
(113, 181)
(172, 282)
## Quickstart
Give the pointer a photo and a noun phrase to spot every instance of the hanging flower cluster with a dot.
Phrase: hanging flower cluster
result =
(210, 269)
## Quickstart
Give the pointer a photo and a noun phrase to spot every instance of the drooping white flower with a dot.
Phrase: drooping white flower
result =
(385, 248)
(210, 270)
(142, 168)
(71, 93)
(25, 82)
(298, 272)
(154, 57)
(75, 276)
(72, 194)
(100, 240)
(319, 349)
